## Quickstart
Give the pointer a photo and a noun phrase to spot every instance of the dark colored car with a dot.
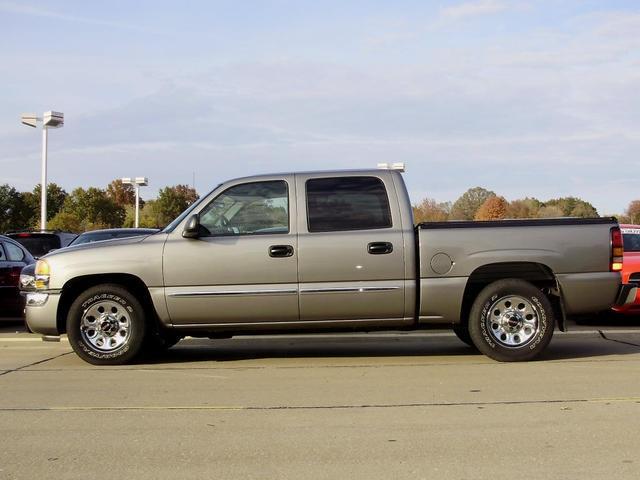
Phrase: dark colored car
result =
(110, 234)
(39, 243)
(13, 257)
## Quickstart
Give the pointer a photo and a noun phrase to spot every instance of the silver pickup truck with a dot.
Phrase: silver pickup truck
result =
(327, 251)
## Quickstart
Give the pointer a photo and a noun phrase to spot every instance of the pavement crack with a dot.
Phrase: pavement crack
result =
(602, 334)
(5, 372)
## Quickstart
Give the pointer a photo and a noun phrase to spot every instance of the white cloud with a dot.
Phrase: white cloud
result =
(474, 9)
(29, 10)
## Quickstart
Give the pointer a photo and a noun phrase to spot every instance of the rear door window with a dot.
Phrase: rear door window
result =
(347, 203)
(14, 254)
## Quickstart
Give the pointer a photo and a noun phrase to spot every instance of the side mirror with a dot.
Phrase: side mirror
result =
(192, 228)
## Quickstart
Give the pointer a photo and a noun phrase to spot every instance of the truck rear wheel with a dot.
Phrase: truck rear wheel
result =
(106, 325)
(511, 320)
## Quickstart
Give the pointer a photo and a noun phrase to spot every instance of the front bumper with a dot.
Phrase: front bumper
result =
(41, 312)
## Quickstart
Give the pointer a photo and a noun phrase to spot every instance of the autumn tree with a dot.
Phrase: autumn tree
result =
(523, 208)
(431, 211)
(633, 212)
(493, 208)
(550, 211)
(467, 205)
(122, 194)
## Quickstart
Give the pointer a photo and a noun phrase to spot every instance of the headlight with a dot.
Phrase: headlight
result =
(43, 272)
(27, 282)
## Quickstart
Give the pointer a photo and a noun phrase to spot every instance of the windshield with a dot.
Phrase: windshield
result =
(631, 238)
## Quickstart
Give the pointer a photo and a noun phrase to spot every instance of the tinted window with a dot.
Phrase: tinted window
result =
(2, 257)
(347, 203)
(631, 242)
(38, 244)
(250, 208)
(14, 254)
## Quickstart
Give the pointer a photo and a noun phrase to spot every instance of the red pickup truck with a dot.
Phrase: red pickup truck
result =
(631, 265)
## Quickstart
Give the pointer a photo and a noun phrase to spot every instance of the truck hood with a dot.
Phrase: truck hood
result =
(97, 245)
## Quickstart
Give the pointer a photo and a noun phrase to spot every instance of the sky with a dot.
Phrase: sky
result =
(525, 98)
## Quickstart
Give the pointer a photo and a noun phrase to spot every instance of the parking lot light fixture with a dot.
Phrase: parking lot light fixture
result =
(49, 120)
(138, 182)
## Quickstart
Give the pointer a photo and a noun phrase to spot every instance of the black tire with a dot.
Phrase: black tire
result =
(504, 331)
(120, 327)
(462, 332)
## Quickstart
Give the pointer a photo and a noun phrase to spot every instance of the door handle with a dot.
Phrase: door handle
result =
(280, 251)
(379, 248)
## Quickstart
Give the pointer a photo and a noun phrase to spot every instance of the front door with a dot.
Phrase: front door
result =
(243, 266)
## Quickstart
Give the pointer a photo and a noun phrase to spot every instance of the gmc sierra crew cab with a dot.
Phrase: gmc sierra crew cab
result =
(327, 251)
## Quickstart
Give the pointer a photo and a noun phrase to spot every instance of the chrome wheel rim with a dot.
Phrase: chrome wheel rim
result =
(513, 321)
(106, 326)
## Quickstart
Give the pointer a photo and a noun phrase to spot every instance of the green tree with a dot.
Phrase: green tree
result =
(572, 207)
(429, 210)
(467, 205)
(171, 202)
(68, 222)
(14, 214)
(89, 209)
(56, 196)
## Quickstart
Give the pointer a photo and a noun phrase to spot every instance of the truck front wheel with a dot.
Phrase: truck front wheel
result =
(511, 320)
(106, 325)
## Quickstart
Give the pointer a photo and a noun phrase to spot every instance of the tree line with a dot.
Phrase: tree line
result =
(91, 208)
(114, 206)
(481, 204)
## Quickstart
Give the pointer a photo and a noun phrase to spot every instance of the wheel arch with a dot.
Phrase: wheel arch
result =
(537, 274)
(77, 285)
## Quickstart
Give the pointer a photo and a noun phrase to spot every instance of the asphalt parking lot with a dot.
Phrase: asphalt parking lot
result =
(418, 405)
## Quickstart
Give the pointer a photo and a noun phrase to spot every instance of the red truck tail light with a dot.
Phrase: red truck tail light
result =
(617, 250)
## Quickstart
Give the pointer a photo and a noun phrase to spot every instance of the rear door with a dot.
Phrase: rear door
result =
(351, 254)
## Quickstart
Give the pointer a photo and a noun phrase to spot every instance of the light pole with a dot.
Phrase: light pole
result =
(138, 182)
(49, 120)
